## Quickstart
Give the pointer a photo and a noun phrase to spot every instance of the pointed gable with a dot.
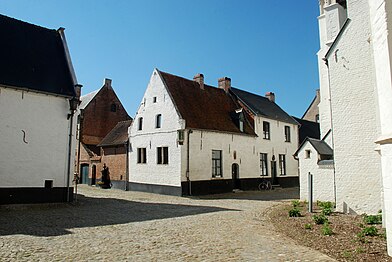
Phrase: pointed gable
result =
(209, 108)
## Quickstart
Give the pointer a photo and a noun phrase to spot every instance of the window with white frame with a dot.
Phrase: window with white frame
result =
(158, 120)
(263, 164)
(162, 155)
(141, 155)
(282, 165)
(266, 130)
(287, 135)
(216, 163)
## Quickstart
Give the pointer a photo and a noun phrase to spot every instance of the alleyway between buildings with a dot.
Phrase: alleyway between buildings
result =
(113, 225)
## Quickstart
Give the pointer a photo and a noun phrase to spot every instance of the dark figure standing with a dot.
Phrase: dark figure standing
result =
(106, 177)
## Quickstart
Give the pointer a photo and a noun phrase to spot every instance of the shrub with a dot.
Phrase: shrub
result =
(373, 219)
(308, 226)
(295, 203)
(294, 212)
(320, 219)
(326, 207)
(370, 231)
(326, 229)
(326, 211)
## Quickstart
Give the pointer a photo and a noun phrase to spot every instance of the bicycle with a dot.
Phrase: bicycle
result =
(265, 185)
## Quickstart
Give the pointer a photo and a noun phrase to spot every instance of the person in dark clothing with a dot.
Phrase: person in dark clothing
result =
(106, 176)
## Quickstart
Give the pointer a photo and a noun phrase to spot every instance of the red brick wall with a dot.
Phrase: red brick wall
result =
(116, 159)
(98, 119)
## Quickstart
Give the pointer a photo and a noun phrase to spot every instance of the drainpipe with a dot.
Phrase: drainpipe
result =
(127, 167)
(187, 162)
(71, 116)
(332, 131)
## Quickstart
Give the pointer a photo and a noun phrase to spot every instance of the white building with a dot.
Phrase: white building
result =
(191, 138)
(37, 86)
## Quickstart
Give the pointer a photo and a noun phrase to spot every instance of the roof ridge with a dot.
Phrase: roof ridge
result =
(27, 23)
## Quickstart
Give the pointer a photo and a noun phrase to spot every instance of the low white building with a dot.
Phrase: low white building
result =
(38, 96)
(189, 138)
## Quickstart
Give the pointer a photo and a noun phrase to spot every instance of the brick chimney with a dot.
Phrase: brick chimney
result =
(270, 96)
(199, 78)
(224, 83)
(107, 82)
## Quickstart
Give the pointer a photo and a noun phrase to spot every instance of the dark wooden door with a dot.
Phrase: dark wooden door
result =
(235, 176)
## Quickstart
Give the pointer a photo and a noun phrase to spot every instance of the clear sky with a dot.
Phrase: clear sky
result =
(262, 45)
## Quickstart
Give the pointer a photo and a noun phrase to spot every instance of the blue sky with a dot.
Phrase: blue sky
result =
(261, 45)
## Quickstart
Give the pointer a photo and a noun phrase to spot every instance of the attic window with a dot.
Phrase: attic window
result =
(113, 108)
(307, 153)
(154, 99)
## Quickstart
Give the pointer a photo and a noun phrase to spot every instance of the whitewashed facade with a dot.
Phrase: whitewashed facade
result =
(190, 168)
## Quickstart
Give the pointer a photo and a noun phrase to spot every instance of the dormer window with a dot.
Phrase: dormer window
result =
(266, 130)
(287, 135)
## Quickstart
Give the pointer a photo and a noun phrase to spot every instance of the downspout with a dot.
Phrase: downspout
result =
(187, 162)
(127, 167)
(70, 116)
(79, 141)
(332, 131)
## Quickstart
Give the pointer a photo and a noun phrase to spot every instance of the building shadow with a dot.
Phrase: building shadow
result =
(55, 220)
(265, 195)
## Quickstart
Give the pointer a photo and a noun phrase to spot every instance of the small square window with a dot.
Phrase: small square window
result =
(48, 183)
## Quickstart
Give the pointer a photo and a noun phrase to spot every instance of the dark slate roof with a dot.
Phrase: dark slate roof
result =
(262, 106)
(210, 109)
(33, 57)
(118, 135)
(320, 145)
(307, 129)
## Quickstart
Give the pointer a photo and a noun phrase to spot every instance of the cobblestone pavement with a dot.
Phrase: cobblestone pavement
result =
(113, 225)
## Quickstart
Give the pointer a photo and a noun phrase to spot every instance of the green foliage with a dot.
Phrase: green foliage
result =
(326, 229)
(294, 212)
(308, 226)
(326, 207)
(295, 203)
(373, 219)
(320, 219)
(347, 254)
(370, 231)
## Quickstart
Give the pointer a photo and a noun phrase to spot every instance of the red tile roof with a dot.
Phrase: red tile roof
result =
(209, 109)
(118, 135)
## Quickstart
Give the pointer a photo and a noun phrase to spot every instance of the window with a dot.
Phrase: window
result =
(266, 130)
(307, 153)
(158, 120)
(216, 163)
(113, 108)
(282, 164)
(264, 164)
(317, 118)
(154, 99)
(162, 155)
(140, 124)
(141, 155)
(287, 134)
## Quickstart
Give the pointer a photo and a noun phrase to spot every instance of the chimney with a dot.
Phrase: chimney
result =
(78, 90)
(270, 96)
(224, 83)
(107, 82)
(199, 78)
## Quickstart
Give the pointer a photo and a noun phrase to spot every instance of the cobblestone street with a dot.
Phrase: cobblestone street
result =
(113, 225)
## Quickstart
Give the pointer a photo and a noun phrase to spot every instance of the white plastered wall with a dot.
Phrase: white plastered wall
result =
(34, 139)
(151, 137)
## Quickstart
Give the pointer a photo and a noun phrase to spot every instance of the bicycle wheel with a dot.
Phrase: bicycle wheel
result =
(268, 186)
(262, 186)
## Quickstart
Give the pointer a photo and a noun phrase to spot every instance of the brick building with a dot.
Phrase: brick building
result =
(100, 111)
(114, 148)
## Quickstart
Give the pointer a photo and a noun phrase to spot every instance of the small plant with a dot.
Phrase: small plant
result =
(373, 219)
(295, 203)
(326, 207)
(370, 231)
(347, 254)
(359, 250)
(308, 226)
(326, 229)
(320, 219)
(294, 212)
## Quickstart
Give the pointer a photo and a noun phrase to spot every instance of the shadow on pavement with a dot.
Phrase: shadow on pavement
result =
(276, 194)
(54, 220)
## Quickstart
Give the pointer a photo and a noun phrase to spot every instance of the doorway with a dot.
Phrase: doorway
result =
(93, 175)
(84, 173)
(235, 173)
(274, 180)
